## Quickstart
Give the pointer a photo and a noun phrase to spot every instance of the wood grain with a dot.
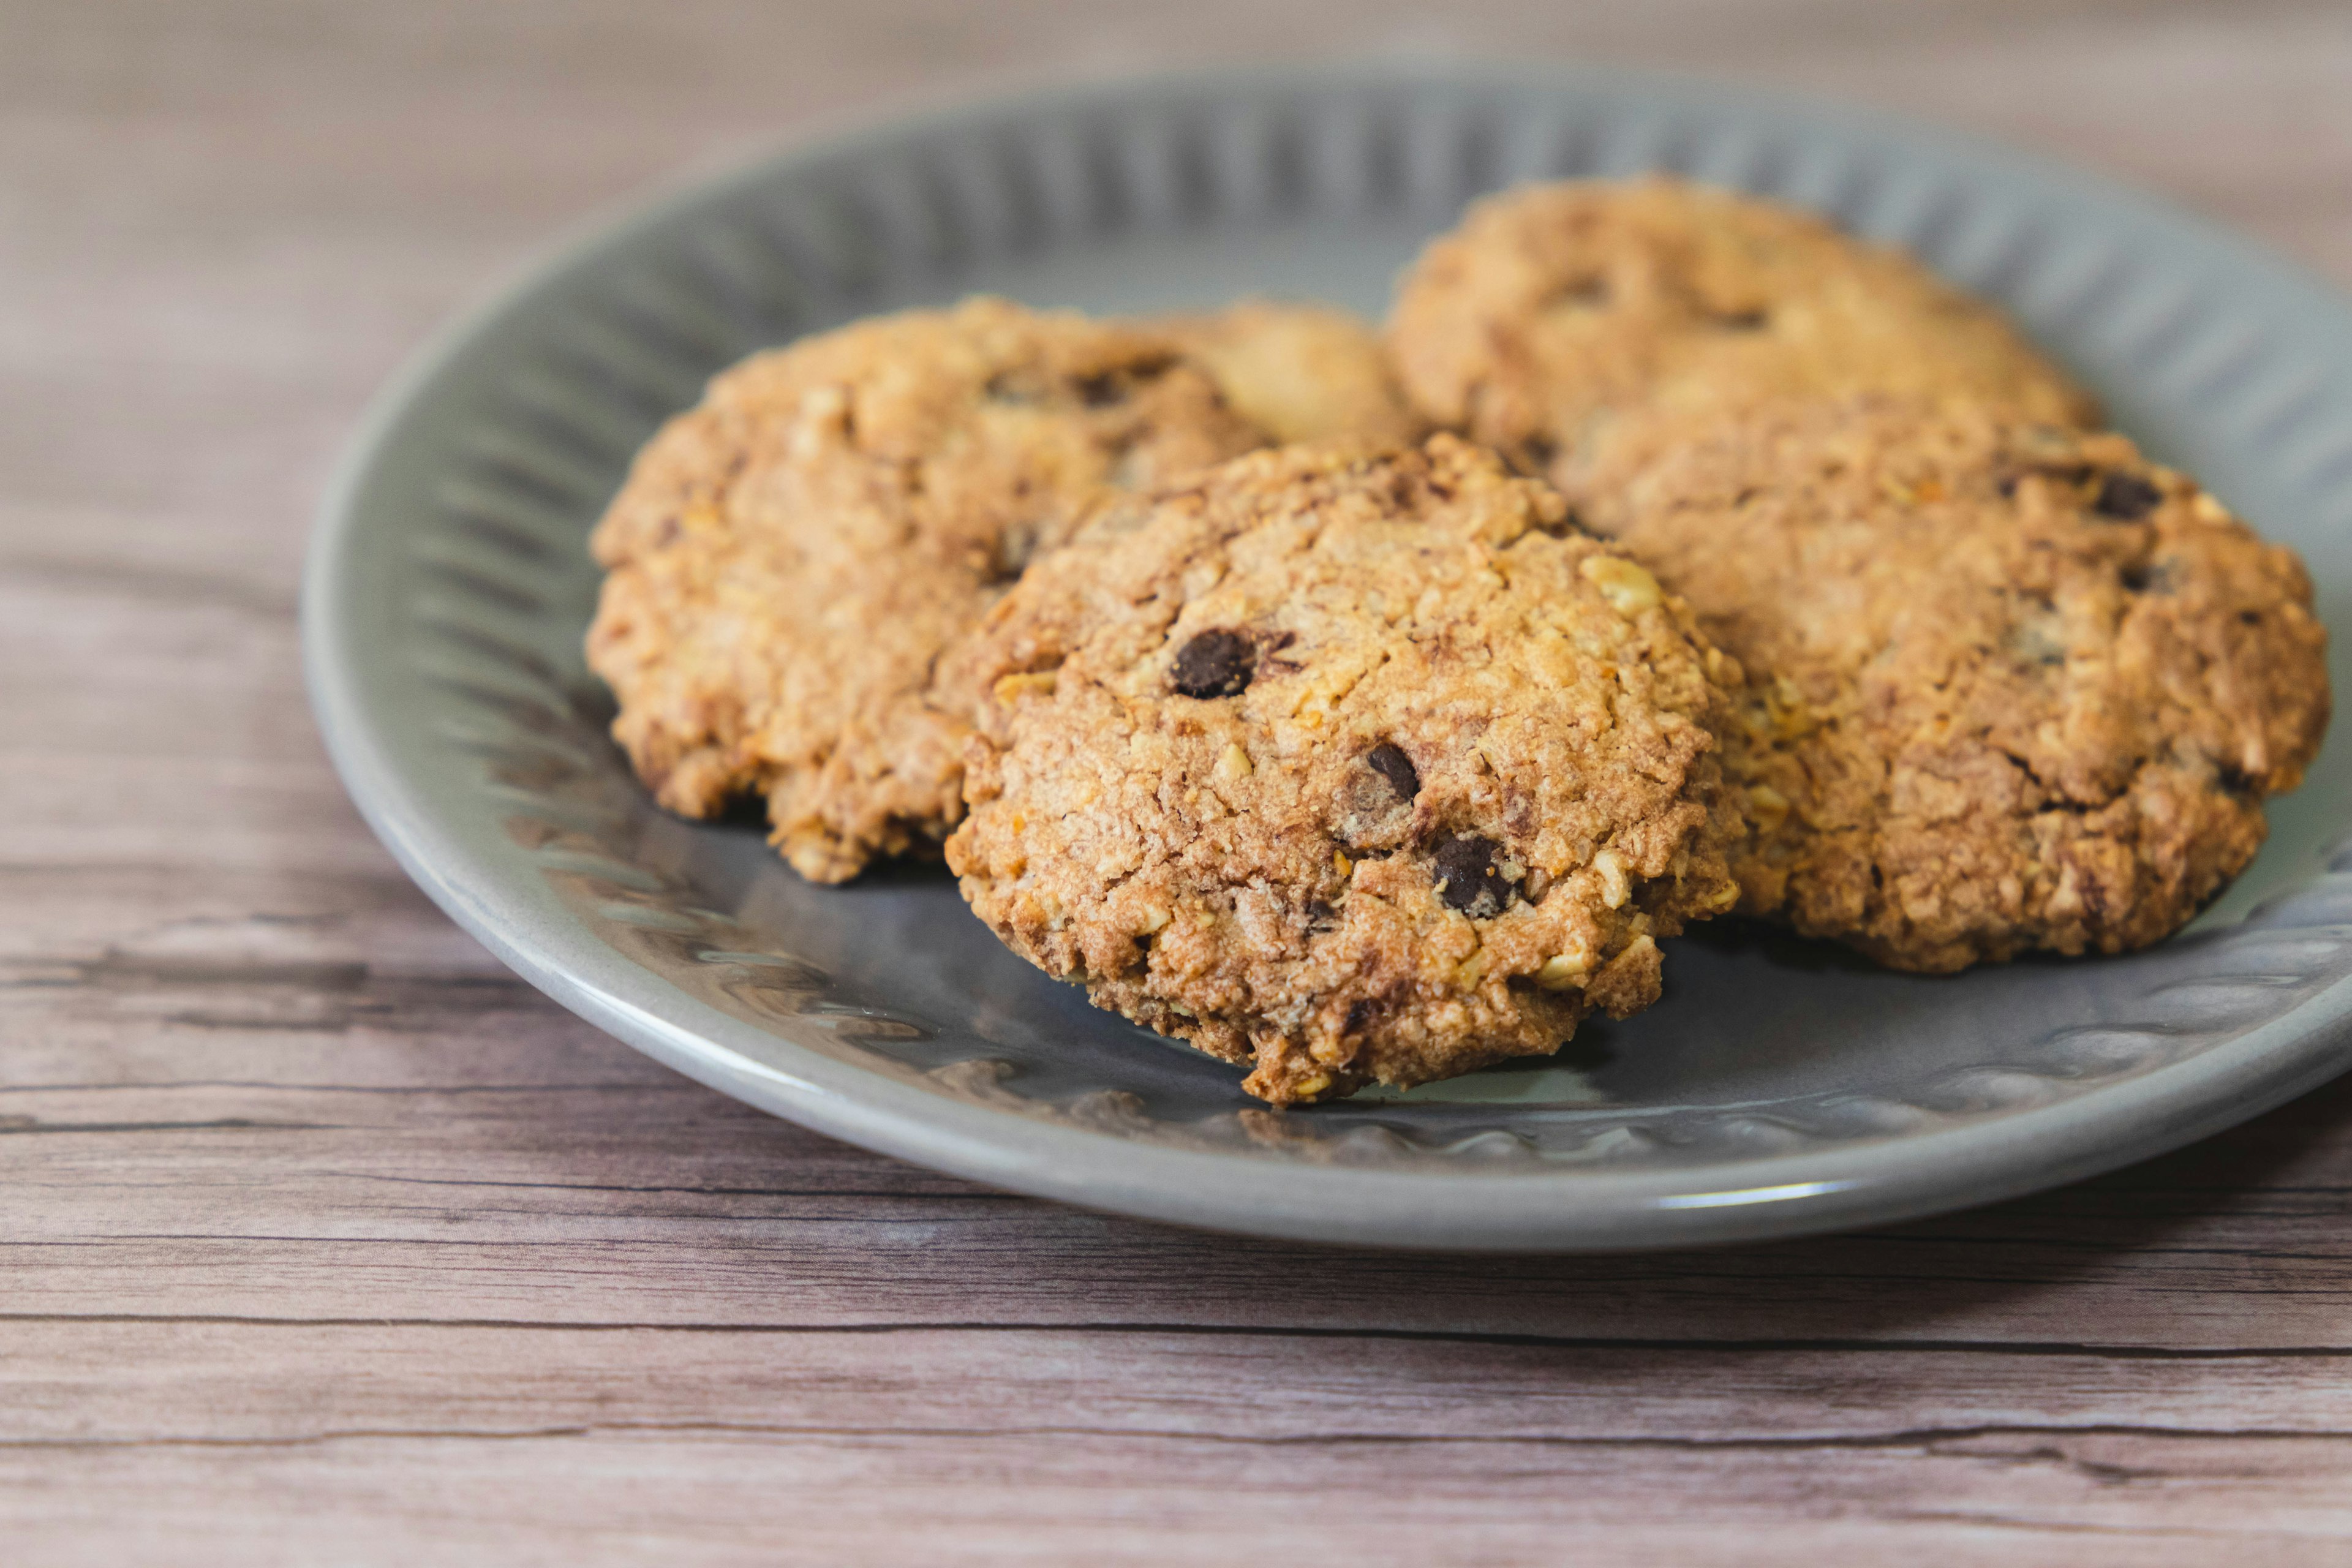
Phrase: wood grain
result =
(323, 1239)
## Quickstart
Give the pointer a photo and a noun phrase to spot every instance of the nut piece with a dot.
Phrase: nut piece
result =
(1628, 588)
(1615, 886)
(1036, 683)
(1767, 807)
(1563, 971)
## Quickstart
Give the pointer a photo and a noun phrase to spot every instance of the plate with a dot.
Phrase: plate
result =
(1782, 1087)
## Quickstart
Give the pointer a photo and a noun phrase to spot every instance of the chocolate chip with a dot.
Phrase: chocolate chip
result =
(2149, 577)
(2126, 496)
(1215, 664)
(1014, 386)
(1389, 760)
(1013, 548)
(1472, 882)
(1360, 1013)
(1570, 525)
(745, 808)
(1590, 293)
(1106, 387)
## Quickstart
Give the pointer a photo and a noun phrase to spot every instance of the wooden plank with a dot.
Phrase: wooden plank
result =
(72, 1382)
(695, 1496)
(1247, 1443)
(444, 1195)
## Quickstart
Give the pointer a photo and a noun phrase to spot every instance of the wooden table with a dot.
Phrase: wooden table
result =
(325, 1240)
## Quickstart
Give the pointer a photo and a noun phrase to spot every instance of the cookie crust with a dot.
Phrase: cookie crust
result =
(1584, 328)
(2011, 686)
(1346, 766)
(1303, 372)
(788, 560)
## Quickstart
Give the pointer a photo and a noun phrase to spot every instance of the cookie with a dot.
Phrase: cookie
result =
(1346, 766)
(789, 559)
(1304, 372)
(1584, 328)
(2011, 687)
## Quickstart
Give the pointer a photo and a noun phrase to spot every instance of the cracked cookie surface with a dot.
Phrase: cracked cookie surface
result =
(1583, 328)
(2010, 686)
(1346, 766)
(788, 559)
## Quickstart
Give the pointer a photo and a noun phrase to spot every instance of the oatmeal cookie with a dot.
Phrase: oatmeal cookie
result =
(1305, 372)
(788, 559)
(1583, 329)
(1345, 765)
(2011, 686)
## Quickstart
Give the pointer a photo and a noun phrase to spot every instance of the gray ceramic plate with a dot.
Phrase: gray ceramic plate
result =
(1779, 1088)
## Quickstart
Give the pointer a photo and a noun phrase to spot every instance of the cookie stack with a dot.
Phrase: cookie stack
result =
(1370, 708)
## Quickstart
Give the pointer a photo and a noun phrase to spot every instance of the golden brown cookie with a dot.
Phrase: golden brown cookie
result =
(2011, 686)
(788, 559)
(1585, 329)
(1348, 766)
(1304, 372)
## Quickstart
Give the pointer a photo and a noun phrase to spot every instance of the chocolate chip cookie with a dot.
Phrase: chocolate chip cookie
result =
(1582, 328)
(1346, 766)
(1304, 372)
(2011, 686)
(789, 559)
